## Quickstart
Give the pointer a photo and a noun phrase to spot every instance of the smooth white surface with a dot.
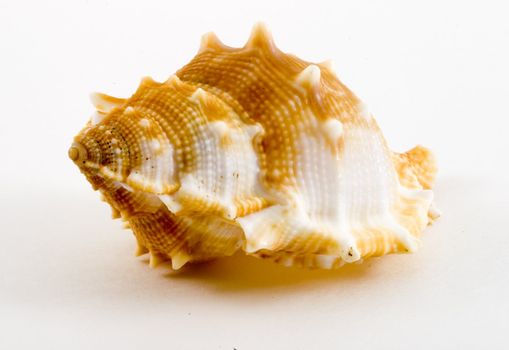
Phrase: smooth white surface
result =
(434, 73)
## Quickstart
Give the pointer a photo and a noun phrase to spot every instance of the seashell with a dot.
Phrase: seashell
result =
(256, 150)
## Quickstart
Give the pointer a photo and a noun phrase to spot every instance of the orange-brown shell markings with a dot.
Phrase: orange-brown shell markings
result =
(279, 91)
(256, 149)
(166, 236)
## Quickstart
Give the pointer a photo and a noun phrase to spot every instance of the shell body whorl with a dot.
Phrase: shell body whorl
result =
(257, 150)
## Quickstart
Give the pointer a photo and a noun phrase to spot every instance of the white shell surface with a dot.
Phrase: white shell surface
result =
(255, 149)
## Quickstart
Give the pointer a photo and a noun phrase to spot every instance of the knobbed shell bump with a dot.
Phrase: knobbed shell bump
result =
(256, 150)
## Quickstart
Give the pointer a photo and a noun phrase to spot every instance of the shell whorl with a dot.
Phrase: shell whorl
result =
(251, 148)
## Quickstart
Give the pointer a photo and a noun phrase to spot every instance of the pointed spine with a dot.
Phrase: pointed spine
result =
(309, 78)
(261, 38)
(329, 65)
(140, 249)
(104, 103)
(198, 96)
(149, 82)
(173, 80)
(115, 213)
(179, 259)
(210, 42)
(155, 260)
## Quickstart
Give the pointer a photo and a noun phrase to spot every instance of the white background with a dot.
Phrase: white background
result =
(434, 73)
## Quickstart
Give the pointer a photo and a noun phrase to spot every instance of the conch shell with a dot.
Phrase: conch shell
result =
(256, 150)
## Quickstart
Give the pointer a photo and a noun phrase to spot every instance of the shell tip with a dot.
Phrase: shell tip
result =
(73, 153)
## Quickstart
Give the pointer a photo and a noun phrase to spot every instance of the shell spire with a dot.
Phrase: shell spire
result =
(251, 149)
